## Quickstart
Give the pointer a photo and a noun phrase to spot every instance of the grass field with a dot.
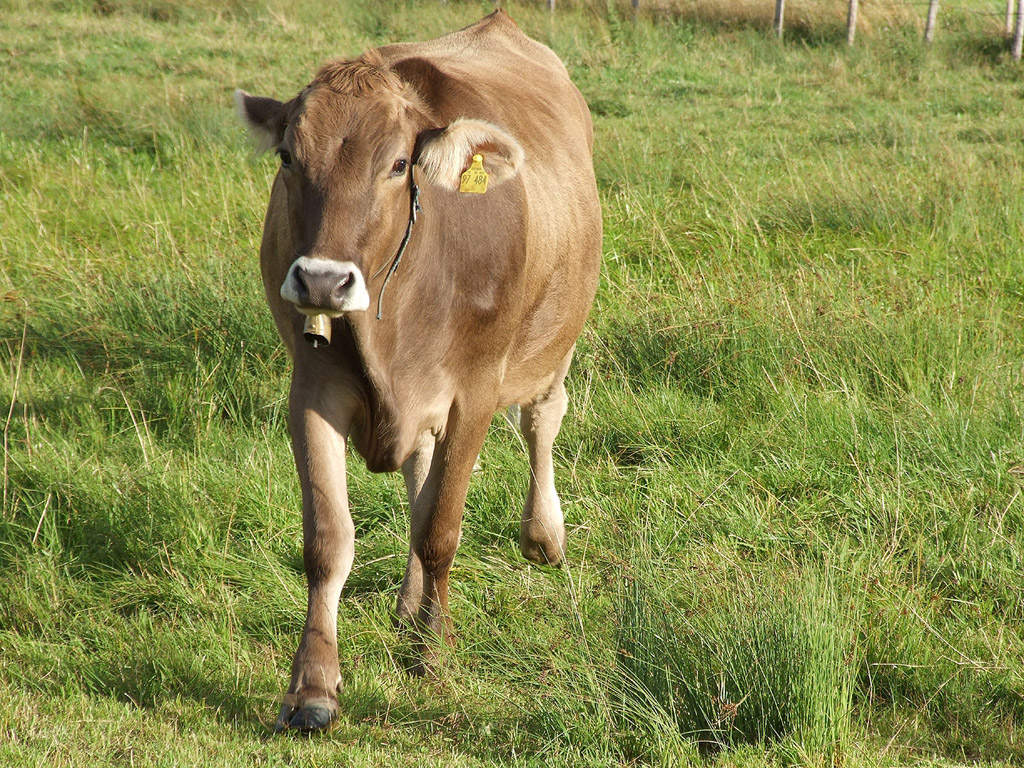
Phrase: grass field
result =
(792, 467)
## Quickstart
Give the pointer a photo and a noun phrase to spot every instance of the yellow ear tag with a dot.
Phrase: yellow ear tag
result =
(475, 179)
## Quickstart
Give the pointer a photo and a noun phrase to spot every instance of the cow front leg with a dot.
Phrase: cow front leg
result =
(436, 528)
(415, 471)
(319, 432)
(542, 532)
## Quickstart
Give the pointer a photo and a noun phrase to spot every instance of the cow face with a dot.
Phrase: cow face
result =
(347, 146)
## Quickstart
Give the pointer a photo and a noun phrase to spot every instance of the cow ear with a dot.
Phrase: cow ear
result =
(444, 155)
(264, 117)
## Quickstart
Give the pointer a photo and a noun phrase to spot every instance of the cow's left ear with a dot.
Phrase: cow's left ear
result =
(444, 155)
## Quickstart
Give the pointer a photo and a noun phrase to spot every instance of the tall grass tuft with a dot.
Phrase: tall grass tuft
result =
(763, 663)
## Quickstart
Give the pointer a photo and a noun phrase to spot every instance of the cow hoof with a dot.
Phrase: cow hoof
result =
(425, 660)
(417, 666)
(542, 553)
(424, 657)
(312, 716)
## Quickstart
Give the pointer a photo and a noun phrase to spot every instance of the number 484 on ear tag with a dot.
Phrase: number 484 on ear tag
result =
(474, 179)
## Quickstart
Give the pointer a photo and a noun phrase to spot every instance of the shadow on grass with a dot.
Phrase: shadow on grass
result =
(149, 681)
(175, 355)
(976, 49)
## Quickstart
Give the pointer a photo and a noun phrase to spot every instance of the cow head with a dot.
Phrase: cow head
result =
(348, 144)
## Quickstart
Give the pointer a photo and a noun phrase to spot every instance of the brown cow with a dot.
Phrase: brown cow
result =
(486, 295)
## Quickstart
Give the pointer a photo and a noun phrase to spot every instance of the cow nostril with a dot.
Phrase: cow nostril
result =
(342, 285)
(300, 283)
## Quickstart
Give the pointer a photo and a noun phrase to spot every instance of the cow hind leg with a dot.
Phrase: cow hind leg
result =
(542, 533)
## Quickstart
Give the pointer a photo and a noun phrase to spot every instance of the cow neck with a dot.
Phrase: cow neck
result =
(414, 210)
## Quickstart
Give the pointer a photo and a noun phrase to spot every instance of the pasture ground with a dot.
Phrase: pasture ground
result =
(792, 464)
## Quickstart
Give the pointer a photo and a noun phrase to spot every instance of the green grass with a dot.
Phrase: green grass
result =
(771, 663)
(791, 468)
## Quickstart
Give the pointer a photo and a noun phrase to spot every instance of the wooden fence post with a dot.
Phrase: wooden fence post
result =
(551, 5)
(929, 27)
(851, 22)
(780, 8)
(1018, 31)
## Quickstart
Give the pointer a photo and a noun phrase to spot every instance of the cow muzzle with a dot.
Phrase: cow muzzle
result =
(325, 287)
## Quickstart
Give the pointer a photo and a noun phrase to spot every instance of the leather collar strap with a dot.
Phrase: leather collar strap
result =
(414, 211)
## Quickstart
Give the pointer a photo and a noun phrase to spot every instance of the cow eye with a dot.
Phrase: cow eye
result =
(398, 169)
(286, 157)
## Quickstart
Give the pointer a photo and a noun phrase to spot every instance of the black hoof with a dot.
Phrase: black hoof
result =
(307, 719)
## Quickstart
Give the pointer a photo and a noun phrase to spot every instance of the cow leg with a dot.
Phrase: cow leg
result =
(542, 533)
(415, 471)
(437, 526)
(319, 428)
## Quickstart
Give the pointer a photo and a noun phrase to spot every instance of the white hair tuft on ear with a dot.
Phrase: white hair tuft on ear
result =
(444, 157)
